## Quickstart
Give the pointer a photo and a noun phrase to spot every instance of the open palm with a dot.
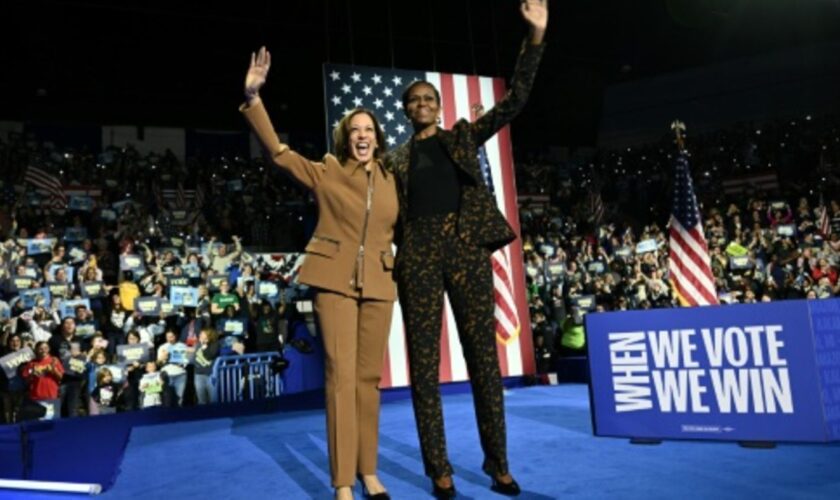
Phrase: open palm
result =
(535, 13)
(258, 71)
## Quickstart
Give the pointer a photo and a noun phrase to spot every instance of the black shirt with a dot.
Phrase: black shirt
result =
(434, 186)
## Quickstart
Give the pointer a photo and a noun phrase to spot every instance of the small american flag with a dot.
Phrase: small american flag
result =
(824, 221)
(688, 256)
(49, 185)
(380, 90)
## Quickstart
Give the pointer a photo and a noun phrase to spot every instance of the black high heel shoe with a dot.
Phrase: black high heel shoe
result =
(375, 496)
(442, 493)
(510, 489)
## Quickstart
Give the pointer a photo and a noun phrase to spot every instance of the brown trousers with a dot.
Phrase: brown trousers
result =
(355, 333)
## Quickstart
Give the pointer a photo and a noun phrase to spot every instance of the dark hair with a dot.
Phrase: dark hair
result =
(38, 345)
(413, 84)
(341, 135)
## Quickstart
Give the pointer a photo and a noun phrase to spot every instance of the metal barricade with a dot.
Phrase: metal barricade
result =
(246, 377)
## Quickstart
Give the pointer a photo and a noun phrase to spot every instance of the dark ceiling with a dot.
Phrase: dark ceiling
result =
(181, 64)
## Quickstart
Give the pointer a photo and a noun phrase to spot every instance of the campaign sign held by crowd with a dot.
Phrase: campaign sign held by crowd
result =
(148, 306)
(746, 372)
(10, 363)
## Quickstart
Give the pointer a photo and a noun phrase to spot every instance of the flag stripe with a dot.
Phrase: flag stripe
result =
(447, 95)
(521, 353)
(687, 258)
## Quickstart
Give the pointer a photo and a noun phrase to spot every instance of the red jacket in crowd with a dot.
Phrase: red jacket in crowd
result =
(42, 378)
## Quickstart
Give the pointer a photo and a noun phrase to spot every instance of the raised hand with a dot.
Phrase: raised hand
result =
(257, 72)
(535, 13)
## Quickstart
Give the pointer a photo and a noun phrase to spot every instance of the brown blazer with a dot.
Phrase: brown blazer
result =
(334, 258)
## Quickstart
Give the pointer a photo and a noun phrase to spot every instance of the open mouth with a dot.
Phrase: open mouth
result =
(363, 148)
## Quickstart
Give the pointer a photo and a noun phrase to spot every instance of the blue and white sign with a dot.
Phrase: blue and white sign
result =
(81, 203)
(35, 297)
(268, 290)
(75, 234)
(148, 306)
(93, 289)
(68, 307)
(39, 246)
(747, 372)
(183, 296)
(132, 263)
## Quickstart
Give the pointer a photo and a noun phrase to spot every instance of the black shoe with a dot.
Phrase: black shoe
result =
(376, 496)
(510, 489)
(442, 493)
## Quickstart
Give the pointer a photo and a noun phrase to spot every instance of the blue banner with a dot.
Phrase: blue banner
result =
(75, 234)
(81, 203)
(132, 263)
(177, 353)
(93, 289)
(148, 306)
(68, 307)
(747, 372)
(183, 296)
(35, 297)
(39, 246)
(268, 290)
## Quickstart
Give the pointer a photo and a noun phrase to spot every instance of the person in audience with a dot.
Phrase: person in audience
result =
(105, 394)
(12, 389)
(152, 386)
(43, 374)
(205, 355)
(172, 357)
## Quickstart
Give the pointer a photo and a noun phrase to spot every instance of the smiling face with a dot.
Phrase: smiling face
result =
(422, 105)
(362, 135)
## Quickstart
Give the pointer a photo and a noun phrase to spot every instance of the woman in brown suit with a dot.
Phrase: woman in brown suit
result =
(349, 261)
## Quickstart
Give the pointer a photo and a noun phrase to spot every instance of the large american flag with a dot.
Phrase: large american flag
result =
(688, 257)
(380, 90)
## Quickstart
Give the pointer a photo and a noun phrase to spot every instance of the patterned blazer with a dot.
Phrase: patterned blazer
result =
(479, 220)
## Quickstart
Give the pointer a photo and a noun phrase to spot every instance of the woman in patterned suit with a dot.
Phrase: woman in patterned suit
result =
(450, 226)
(349, 262)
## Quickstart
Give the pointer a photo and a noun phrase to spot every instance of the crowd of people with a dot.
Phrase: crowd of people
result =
(592, 245)
(90, 323)
(117, 302)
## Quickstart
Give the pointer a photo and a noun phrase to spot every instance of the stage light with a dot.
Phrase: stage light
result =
(51, 486)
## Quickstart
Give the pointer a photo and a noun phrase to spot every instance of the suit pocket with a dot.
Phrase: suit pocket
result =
(326, 247)
(387, 261)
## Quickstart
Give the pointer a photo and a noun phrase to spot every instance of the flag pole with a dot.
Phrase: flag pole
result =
(679, 130)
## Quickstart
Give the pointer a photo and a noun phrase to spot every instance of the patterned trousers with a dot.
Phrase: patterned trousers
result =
(433, 259)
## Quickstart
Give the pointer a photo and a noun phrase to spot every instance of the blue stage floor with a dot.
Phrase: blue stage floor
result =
(552, 452)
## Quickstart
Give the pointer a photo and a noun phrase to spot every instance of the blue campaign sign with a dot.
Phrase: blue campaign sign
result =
(177, 353)
(35, 297)
(39, 246)
(132, 263)
(747, 372)
(148, 306)
(68, 307)
(81, 203)
(183, 296)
